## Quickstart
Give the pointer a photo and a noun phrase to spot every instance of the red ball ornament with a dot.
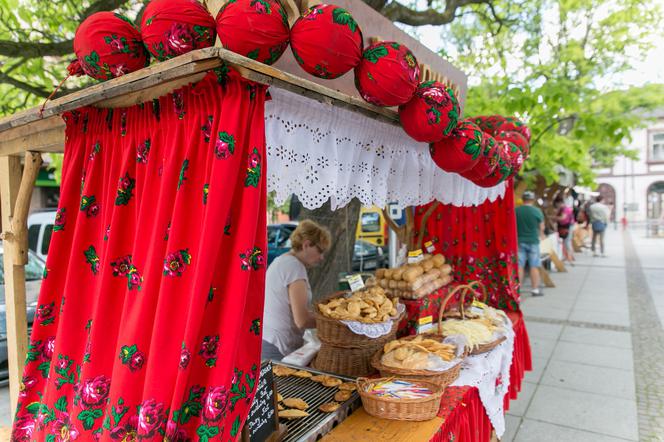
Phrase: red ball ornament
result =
(326, 41)
(387, 75)
(174, 27)
(497, 123)
(431, 114)
(488, 160)
(460, 151)
(257, 29)
(503, 168)
(107, 45)
(516, 138)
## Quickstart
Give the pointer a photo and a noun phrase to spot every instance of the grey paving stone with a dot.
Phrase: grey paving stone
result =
(535, 431)
(619, 305)
(596, 355)
(535, 375)
(581, 377)
(511, 426)
(596, 413)
(583, 335)
(519, 406)
(612, 318)
(543, 330)
(532, 309)
(542, 348)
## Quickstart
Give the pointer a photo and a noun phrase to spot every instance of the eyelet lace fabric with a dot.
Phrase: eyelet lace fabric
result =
(375, 330)
(319, 151)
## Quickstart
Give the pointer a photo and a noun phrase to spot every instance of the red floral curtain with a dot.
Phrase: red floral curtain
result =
(149, 318)
(480, 243)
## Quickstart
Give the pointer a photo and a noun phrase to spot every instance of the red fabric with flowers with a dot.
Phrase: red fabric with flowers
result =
(257, 29)
(480, 244)
(149, 317)
(174, 27)
(504, 165)
(107, 45)
(387, 75)
(431, 114)
(461, 150)
(326, 41)
(487, 162)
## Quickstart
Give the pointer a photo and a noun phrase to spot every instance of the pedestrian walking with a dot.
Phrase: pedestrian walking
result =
(565, 225)
(530, 228)
(598, 213)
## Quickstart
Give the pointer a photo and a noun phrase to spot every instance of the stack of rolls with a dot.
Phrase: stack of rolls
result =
(416, 280)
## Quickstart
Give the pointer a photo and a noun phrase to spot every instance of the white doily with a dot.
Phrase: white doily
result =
(490, 373)
(374, 330)
(319, 152)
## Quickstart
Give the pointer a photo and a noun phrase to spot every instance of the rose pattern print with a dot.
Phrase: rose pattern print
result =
(224, 147)
(185, 357)
(92, 258)
(179, 39)
(176, 263)
(206, 191)
(208, 350)
(183, 173)
(206, 128)
(151, 419)
(253, 169)
(256, 326)
(178, 104)
(132, 357)
(142, 151)
(252, 259)
(125, 190)
(90, 206)
(60, 220)
(125, 267)
(45, 314)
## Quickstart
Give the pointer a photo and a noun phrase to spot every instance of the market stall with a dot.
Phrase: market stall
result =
(200, 114)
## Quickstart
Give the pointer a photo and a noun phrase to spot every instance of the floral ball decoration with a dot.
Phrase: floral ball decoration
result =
(431, 114)
(494, 124)
(488, 160)
(460, 151)
(503, 169)
(174, 27)
(516, 138)
(107, 45)
(388, 74)
(326, 41)
(257, 29)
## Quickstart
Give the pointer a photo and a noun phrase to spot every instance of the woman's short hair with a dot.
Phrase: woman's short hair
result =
(312, 231)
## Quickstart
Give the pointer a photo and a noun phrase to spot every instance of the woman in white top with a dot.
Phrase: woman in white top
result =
(288, 293)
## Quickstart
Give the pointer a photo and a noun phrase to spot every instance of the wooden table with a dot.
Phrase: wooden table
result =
(361, 425)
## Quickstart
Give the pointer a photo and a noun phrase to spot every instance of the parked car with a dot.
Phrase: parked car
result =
(278, 240)
(368, 256)
(34, 272)
(40, 228)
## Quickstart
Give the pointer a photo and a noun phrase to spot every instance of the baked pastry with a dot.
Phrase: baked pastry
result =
(332, 382)
(302, 374)
(279, 397)
(329, 407)
(281, 370)
(280, 407)
(368, 305)
(348, 386)
(295, 402)
(319, 377)
(343, 395)
(292, 414)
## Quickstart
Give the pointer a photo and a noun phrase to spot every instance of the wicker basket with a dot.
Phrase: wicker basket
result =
(334, 332)
(345, 361)
(471, 287)
(422, 409)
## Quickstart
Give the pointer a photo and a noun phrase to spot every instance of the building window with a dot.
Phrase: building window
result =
(657, 147)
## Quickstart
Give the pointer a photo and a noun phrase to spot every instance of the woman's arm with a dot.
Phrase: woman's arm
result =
(297, 293)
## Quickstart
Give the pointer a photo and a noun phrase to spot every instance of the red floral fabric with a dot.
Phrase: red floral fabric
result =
(388, 74)
(107, 45)
(504, 165)
(417, 309)
(497, 123)
(149, 317)
(326, 41)
(488, 160)
(516, 138)
(431, 114)
(174, 27)
(257, 29)
(480, 244)
(461, 150)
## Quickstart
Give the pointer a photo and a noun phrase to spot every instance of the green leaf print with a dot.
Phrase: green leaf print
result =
(253, 54)
(236, 426)
(473, 148)
(183, 172)
(372, 55)
(61, 404)
(343, 17)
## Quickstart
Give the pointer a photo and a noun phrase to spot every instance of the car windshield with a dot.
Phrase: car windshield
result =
(284, 240)
(370, 222)
(363, 248)
(34, 269)
(272, 234)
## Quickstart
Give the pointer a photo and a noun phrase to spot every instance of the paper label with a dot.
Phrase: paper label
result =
(356, 283)
(425, 320)
(429, 247)
(426, 328)
(415, 256)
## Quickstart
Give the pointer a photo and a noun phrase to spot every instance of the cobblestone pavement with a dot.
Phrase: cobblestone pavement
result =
(598, 349)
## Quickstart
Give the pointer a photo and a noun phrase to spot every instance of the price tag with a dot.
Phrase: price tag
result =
(415, 256)
(429, 247)
(477, 307)
(356, 283)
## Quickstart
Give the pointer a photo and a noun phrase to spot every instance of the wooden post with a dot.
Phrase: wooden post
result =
(15, 195)
(546, 278)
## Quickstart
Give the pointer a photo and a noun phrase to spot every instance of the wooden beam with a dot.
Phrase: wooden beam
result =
(15, 195)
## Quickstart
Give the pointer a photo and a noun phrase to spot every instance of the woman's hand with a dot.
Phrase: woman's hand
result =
(297, 293)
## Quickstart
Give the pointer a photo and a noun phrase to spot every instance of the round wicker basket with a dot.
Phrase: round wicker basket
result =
(421, 409)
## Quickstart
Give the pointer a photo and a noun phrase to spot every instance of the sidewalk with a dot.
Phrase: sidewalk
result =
(594, 378)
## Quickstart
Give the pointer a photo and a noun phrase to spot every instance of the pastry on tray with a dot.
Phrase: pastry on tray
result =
(282, 370)
(332, 382)
(302, 374)
(349, 386)
(292, 414)
(295, 402)
(329, 407)
(343, 395)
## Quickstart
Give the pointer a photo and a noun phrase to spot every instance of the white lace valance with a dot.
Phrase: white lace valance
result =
(319, 152)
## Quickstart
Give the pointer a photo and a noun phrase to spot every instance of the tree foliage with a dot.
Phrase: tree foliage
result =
(554, 65)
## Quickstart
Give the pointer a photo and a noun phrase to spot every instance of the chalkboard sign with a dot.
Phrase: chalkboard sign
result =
(262, 420)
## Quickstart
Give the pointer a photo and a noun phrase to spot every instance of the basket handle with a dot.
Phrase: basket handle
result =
(443, 305)
(464, 288)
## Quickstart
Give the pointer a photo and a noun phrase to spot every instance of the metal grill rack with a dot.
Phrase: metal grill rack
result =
(317, 424)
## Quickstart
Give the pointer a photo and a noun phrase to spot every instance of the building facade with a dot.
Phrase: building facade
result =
(636, 187)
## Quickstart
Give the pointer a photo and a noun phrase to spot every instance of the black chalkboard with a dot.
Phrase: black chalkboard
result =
(262, 420)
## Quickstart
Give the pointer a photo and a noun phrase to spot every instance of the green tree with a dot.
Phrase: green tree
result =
(553, 64)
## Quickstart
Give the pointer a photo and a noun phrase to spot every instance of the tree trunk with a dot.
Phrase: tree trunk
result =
(342, 224)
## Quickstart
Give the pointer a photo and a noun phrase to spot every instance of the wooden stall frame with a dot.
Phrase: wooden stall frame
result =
(36, 130)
